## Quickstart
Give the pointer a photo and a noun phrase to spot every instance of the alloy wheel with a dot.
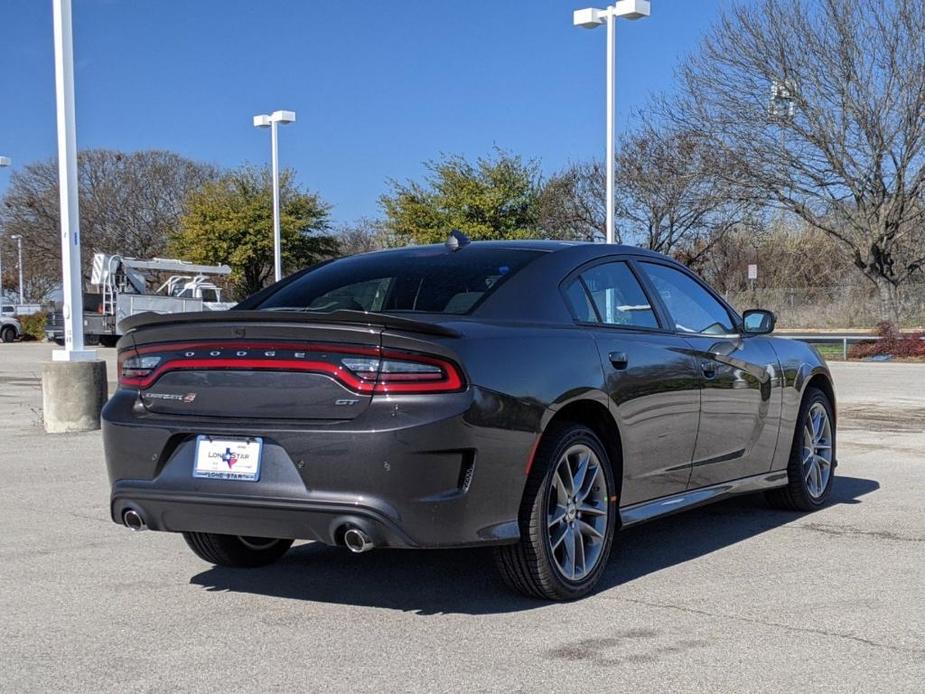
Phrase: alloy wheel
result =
(577, 512)
(817, 450)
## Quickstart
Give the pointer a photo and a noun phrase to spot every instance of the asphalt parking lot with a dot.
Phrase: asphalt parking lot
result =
(730, 598)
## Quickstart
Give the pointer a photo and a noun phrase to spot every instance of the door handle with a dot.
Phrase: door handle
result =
(618, 360)
(708, 368)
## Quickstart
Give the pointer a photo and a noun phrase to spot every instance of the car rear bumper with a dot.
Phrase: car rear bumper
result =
(409, 474)
(323, 521)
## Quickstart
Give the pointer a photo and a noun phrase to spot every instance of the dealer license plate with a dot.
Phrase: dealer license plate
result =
(228, 459)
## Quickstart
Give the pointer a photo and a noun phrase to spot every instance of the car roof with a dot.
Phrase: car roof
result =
(545, 245)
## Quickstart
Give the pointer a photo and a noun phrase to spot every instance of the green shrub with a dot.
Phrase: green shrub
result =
(33, 326)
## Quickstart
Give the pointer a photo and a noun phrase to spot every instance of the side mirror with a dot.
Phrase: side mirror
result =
(757, 321)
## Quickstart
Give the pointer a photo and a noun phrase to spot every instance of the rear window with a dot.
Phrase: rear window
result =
(425, 280)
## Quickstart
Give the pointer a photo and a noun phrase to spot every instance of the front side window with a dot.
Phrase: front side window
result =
(426, 279)
(693, 308)
(613, 292)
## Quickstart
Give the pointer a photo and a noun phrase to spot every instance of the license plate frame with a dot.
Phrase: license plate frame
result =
(210, 462)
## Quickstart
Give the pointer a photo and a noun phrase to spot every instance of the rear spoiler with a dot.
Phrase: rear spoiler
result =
(379, 320)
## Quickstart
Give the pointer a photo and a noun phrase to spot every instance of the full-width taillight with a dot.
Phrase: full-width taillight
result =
(360, 368)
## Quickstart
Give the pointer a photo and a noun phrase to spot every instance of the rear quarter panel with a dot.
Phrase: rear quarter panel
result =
(518, 376)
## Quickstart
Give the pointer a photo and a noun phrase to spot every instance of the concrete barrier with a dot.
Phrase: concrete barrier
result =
(73, 393)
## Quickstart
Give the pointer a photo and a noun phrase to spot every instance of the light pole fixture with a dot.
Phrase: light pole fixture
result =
(18, 239)
(591, 18)
(781, 107)
(271, 121)
(5, 161)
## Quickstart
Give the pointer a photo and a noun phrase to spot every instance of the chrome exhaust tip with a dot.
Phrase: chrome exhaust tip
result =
(133, 520)
(357, 541)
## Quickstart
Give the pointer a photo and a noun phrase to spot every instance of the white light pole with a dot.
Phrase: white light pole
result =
(272, 121)
(18, 239)
(74, 382)
(4, 161)
(67, 183)
(591, 18)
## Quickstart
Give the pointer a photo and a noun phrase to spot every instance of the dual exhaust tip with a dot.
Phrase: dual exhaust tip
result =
(355, 539)
(133, 520)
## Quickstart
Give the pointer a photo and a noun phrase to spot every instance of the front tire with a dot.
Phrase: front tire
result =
(7, 334)
(567, 517)
(811, 471)
(235, 551)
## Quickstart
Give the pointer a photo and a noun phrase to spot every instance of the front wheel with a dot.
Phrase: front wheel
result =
(811, 471)
(236, 551)
(567, 518)
(7, 334)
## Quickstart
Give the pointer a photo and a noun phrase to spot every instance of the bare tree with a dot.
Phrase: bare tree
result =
(364, 235)
(790, 255)
(819, 108)
(669, 196)
(130, 203)
(572, 203)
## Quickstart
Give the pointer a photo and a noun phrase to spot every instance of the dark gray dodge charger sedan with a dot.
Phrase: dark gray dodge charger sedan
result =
(536, 396)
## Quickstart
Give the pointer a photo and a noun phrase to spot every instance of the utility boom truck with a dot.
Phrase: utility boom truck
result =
(123, 289)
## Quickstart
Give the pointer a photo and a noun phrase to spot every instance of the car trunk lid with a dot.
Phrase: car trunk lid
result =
(260, 364)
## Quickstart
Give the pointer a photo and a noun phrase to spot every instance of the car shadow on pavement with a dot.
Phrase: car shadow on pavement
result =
(464, 581)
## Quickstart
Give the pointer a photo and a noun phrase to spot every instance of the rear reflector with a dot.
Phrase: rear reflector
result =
(362, 369)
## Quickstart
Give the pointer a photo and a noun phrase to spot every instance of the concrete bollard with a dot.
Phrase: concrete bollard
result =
(73, 393)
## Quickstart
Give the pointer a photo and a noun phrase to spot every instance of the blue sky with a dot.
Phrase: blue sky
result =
(378, 87)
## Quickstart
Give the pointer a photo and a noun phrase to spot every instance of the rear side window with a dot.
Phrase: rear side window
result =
(693, 308)
(613, 295)
(429, 280)
(581, 302)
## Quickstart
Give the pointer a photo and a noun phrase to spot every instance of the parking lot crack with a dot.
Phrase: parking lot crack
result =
(777, 625)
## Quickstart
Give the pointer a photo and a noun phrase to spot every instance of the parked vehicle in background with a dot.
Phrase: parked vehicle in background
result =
(536, 396)
(10, 328)
(21, 309)
(126, 287)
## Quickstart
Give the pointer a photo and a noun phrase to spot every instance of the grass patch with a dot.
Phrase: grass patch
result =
(831, 351)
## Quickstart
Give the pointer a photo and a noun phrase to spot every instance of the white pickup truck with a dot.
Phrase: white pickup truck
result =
(10, 329)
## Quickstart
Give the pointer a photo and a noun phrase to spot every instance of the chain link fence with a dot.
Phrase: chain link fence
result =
(819, 308)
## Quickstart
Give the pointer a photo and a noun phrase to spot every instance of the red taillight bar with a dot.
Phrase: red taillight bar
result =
(449, 380)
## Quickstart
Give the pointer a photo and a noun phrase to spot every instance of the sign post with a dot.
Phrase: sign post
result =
(753, 280)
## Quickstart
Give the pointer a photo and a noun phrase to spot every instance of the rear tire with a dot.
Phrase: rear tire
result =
(811, 470)
(7, 334)
(567, 518)
(235, 551)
